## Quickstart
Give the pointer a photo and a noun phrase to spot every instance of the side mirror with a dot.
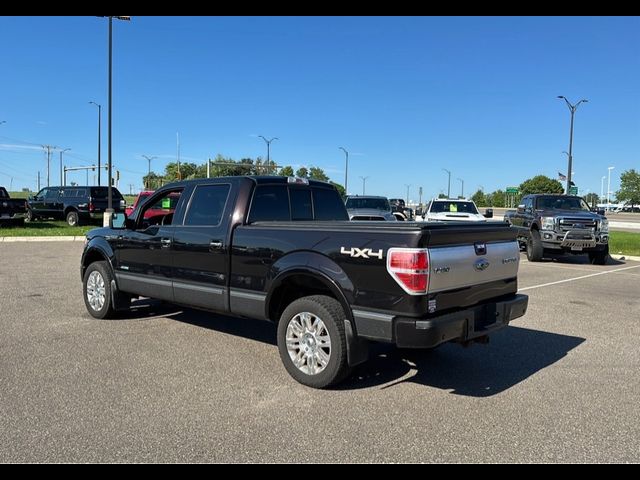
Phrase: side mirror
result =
(118, 220)
(520, 208)
(488, 213)
(600, 211)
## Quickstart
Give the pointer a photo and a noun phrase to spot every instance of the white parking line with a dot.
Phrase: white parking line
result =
(577, 278)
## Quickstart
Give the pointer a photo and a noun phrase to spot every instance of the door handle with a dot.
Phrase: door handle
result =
(166, 242)
(215, 245)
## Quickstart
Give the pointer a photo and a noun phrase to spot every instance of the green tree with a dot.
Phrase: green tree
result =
(479, 198)
(302, 172)
(187, 170)
(540, 184)
(629, 187)
(591, 198)
(496, 199)
(318, 174)
(442, 195)
(286, 171)
(152, 181)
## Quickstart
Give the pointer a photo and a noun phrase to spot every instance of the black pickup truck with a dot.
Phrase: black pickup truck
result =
(560, 224)
(282, 249)
(12, 210)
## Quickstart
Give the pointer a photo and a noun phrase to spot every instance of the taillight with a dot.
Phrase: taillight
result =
(410, 268)
(92, 207)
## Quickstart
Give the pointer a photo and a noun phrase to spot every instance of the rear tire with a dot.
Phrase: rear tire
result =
(73, 220)
(312, 341)
(534, 246)
(30, 217)
(599, 258)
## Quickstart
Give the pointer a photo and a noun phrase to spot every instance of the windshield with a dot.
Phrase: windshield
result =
(373, 203)
(453, 207)
(562, 203)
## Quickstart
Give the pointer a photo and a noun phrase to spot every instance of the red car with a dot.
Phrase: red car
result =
(161, 209)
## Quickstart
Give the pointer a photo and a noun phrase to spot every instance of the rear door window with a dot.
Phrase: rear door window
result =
(207, 205)
(270, 203)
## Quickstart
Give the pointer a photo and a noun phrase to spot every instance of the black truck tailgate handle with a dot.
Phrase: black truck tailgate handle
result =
(215, 245)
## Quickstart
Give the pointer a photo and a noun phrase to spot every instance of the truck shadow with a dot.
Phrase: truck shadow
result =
(513, 355)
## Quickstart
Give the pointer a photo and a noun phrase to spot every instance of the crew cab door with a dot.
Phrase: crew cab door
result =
(144, 253)
(200, 248)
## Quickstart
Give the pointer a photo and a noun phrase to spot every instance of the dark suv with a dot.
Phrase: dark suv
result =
(73, 204)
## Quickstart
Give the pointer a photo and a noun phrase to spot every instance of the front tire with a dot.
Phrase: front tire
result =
(312, 341)
(96, 290)
(534, 246)
(599, 258)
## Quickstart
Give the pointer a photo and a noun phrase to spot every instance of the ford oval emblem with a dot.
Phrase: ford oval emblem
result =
(481, 264)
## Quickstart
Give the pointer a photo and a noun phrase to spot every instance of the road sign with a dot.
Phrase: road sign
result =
(573, 190)
(512, 189)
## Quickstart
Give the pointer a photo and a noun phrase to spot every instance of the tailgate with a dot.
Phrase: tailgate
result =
(464, 256)
(9, 207)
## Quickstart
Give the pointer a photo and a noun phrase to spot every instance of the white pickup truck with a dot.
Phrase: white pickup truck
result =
(454, 210)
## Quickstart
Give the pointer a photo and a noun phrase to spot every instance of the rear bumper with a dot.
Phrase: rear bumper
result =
(12, 216)
(460, 326)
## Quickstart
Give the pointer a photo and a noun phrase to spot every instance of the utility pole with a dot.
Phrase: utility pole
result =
(99, 134)
(408, 185)
(131, 189)
(268, 142)
(149, 171)
(38, 180)
(48, 148)
(178, 154)
(364, 179)
(346, 169)
(609, 189)
(449, 183)
(572, 109)
(462, 194)
(62, 182)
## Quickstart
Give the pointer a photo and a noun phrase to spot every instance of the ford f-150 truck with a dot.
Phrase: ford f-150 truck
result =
(12, 210)
(282, 249)
(560, 224)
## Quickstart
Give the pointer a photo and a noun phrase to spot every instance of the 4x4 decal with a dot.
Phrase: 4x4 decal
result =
(356, 252)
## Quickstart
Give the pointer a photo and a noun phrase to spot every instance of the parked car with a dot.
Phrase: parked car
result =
(282, 249)
(73, 204)
(369, 208)
(12, 210)
(161, 208)
(454, 210)
(560, 224)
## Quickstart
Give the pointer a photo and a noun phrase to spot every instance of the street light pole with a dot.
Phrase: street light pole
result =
(572, 109)
(99, 134)
(364, 179)
(462, 194)
(149, 171)
(109, 211)
(602, 187)
(62, 182)
(449, 184)
(609, 188)
(346, 169)
(268, 142)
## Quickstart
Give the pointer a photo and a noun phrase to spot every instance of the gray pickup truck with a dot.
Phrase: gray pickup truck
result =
(560, 224)
(12, 210)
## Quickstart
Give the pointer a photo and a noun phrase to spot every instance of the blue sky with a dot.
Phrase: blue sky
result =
(406, 96)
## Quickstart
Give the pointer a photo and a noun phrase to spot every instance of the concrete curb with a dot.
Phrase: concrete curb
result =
(77, 238)
(619, 256)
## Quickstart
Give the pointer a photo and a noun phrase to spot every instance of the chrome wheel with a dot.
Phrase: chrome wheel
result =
(308, 343)
(96, 294)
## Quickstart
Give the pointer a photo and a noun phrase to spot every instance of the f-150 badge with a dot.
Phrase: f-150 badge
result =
(355, 252)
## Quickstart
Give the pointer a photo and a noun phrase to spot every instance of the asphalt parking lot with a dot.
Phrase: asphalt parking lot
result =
(163, 384)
